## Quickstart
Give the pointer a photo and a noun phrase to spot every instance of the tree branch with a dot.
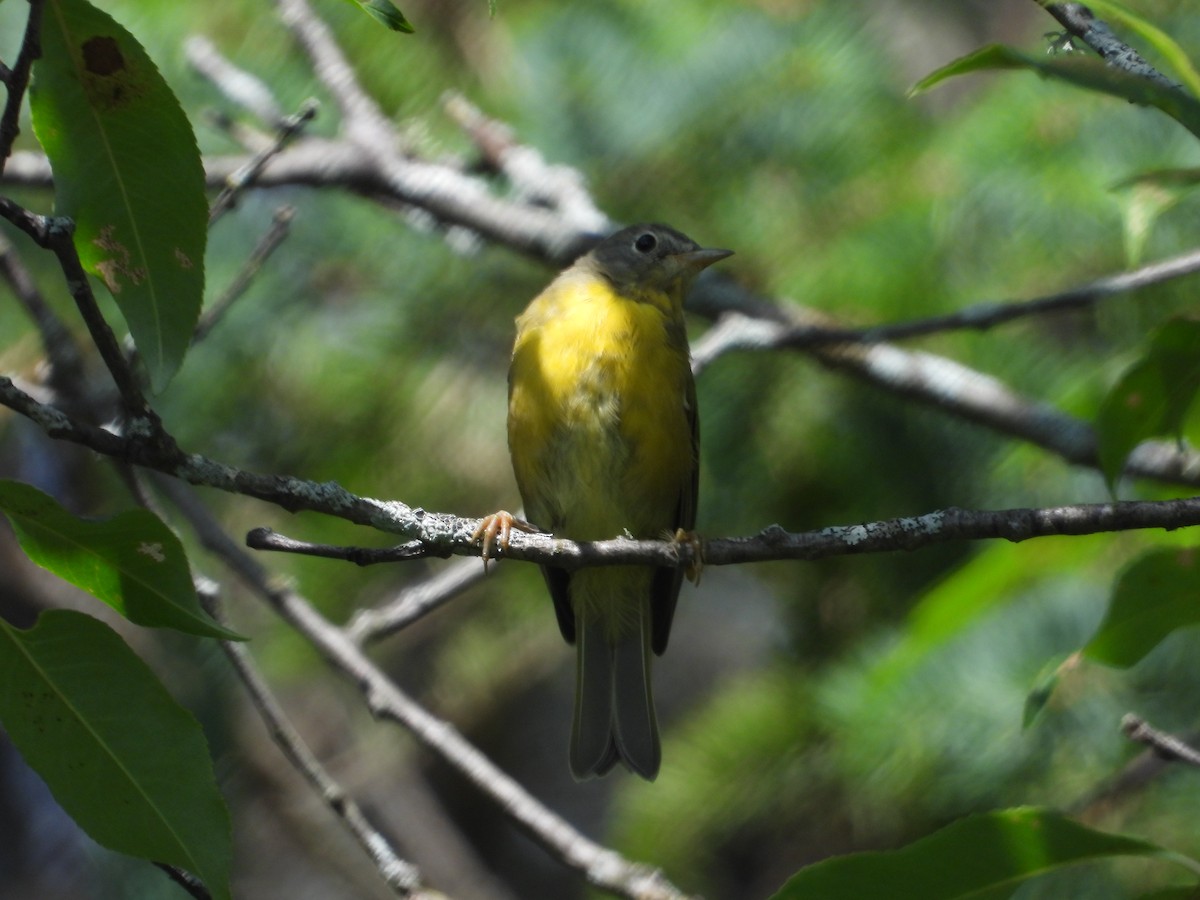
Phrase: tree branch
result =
(602, 868)
(16, 80)
(1081, 22)
(774, 543)
(401, 876)
(1164, 745)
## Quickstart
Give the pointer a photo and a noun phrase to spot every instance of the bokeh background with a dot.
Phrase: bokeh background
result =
(809, 709)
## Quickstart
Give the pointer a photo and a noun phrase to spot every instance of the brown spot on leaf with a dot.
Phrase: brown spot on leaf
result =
(102, 56)
(185, 261)
(110, 79)
(119, 267)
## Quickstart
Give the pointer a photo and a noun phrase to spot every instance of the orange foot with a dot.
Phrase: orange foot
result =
(696, 566)
(494, 530)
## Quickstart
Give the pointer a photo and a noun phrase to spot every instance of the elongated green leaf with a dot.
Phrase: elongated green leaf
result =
(385, 11)
(1085, 73)
(1154, 596)
(127, 170)
(1154, 37)
(1152, 397)
(980, 856)
(1045, 685)
(132, 562)
(122, 757)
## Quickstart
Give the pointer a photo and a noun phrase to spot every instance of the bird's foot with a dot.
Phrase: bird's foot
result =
(696, 566)
(495, 530)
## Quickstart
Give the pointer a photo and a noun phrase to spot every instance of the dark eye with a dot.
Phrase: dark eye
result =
(645, 242)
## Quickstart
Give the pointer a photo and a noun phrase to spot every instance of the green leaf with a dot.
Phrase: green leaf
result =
(127, 170)
(1152, 397)
(132, 562)
(1146, 198)
(1154, 596)
(127, 762)
(384, 11)
(1153, 36)
(1044, 686)
(1082, 72)
(981, 855)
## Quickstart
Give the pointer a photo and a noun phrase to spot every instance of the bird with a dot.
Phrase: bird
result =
(603, 434)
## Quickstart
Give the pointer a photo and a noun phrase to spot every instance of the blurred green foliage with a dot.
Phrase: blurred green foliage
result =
(809, 709)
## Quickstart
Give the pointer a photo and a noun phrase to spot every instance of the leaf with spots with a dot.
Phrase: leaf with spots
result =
(132, 562)
(127, 762)
(127, 170)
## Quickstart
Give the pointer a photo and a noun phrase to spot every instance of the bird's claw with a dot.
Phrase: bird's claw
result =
(494, 531)
(696, 566)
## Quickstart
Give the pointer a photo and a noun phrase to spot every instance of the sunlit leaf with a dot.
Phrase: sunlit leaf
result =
(120, 755)
(1087, 73)
(127, 170)
(385, 12)
(980, 856)
(1154, 596)
(132, 562)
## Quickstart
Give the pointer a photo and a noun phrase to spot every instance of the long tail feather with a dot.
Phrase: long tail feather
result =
(614, 708)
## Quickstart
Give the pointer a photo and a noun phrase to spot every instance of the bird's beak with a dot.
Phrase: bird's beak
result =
(689, 264)
(695, 260)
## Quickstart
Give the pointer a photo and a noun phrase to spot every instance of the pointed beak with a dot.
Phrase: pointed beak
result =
(695, 260)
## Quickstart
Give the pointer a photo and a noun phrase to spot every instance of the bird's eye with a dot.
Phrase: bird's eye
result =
(645, 242)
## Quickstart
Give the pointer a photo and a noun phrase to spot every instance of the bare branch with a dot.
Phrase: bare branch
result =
(16, 80)
(401, 876)
(275, 235)
(55, 234)
(1165, 745)
(246, 175)
(982, 316)
(1081, 22)
(774, 543)
(947, 385)
(59, 345)
(440, 534)
(414, 601)
(242, 88)
(601, 867)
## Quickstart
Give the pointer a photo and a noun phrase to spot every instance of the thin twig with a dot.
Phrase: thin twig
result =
(602, 867)
(16, 80)
(1081, 22)
(1165, 745)
(54, 233)
(982, 316)
(774, 543)
(58, 344)
(243, 89)
(247, 174)
(362, 120)
(413, 602)
(271, 240)
(441, 534)
(945, 385)
(401, 876)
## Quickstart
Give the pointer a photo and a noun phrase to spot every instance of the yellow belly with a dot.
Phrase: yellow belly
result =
(599, 428)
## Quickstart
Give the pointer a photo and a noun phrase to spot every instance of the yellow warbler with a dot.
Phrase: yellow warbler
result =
(602, 429)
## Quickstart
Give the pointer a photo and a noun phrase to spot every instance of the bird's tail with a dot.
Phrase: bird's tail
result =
(614, 707)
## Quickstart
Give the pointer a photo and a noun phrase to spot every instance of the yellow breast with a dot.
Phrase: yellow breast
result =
(599, 420)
